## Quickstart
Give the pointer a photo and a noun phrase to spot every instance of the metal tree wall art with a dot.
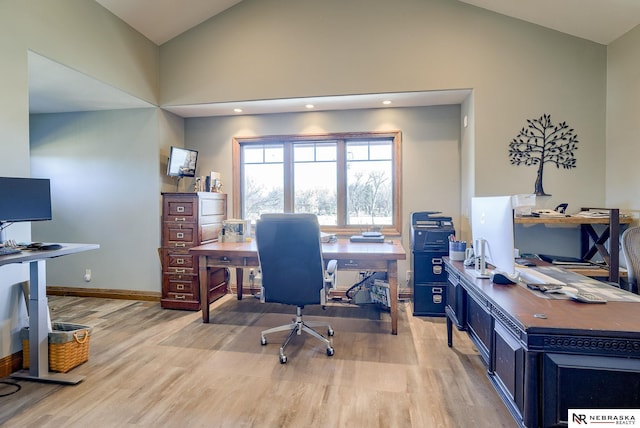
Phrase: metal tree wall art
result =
(542, 142)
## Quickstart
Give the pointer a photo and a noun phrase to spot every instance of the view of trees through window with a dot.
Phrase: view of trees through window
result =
(345, 182)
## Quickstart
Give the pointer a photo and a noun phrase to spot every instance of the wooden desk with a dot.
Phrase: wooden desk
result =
(38, 326)
(545, 356)
(592, 242)
(350, 256)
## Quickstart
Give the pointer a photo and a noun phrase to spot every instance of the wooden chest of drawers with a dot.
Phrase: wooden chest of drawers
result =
(188, 220)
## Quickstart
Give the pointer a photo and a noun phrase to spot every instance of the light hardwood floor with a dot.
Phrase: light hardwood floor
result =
(150, 367)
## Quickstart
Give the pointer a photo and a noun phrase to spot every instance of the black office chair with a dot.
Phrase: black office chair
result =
(293, 271)
(631, 254)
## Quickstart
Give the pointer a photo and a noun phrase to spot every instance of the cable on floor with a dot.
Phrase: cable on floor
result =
(12, 384)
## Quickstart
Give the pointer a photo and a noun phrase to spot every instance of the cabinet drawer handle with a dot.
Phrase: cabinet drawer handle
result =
(181, 271)
(180, 287)
(351, 263)
(180, 219)
(224, 259)
(180, 244)
(181, 297)
(180, 209)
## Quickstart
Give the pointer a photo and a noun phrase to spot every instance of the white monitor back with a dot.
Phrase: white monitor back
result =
(492, 220)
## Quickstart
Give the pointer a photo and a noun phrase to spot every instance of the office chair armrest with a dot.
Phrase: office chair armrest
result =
(332, 266)
(330, 275)
(329, 281)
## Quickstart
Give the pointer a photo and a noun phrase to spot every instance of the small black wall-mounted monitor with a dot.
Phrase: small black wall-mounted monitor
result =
(182, 162)
(24, 199)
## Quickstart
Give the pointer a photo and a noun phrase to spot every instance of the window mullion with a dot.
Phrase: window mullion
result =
(342, 182)
(288, 177)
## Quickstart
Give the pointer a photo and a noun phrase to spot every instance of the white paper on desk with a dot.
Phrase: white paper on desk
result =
(327, 237)
(593, 214)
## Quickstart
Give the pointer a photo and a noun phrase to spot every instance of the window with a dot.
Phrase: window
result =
(350, 181)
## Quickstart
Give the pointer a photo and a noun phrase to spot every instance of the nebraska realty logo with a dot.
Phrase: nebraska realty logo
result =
(600, 417)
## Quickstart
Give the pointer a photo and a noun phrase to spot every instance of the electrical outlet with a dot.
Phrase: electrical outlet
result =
(87, 275)
(408, 276)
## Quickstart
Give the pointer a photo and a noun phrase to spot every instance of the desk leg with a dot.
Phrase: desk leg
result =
(204, 287)
(449, 329)
(239, 281)
(392, 277)
(39, 331)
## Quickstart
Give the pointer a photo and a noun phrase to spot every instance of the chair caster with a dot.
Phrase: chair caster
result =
(330, 352)
(330, 331)
(283, 359)
(263, 340)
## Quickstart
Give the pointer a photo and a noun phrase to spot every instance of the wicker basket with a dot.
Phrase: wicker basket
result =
(68, 346)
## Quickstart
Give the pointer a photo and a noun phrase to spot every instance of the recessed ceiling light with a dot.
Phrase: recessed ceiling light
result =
(386, 102)
(309, 106)
(237, 110)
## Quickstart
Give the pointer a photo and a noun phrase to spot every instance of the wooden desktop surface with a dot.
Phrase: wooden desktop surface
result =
(360, 256)
(562, 315)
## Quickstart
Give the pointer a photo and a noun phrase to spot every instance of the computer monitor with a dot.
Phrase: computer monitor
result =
(492, 222)
(182, 162)
(24, 199)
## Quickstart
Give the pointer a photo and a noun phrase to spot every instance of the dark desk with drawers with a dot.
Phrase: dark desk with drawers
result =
(545, 356)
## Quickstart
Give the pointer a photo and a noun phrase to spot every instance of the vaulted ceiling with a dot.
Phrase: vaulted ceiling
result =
(601, 21)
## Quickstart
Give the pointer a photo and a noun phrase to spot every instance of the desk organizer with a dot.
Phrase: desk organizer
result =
(68, 346)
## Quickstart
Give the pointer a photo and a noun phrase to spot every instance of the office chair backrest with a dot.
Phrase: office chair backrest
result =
(290, 256)
(631, 254)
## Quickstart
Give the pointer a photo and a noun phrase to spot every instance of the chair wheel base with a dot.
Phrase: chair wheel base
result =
(330, 352)
(283, 359)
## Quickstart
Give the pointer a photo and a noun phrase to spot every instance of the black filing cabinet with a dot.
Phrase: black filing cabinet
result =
(429, 244)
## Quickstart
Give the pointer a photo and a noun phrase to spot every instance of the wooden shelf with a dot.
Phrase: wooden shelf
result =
(592, 242)
(596, 272)
(570, 220)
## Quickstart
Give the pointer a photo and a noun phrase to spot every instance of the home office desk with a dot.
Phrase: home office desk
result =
(356, 256)
(38, 326)
(547, 354)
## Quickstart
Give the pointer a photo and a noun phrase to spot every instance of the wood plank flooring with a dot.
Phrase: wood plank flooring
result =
(150, 367)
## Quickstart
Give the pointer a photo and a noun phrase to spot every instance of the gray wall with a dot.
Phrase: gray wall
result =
(623, 126)
(84, 36)
(99, 164)
(430, 150)
(290, 48)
